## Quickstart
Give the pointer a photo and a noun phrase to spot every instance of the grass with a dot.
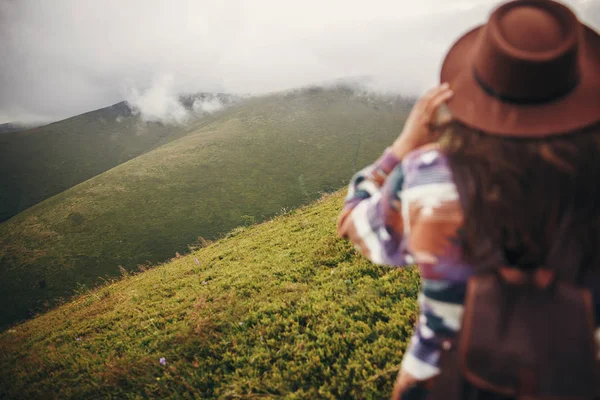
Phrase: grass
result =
(283, 309)
(248, 164)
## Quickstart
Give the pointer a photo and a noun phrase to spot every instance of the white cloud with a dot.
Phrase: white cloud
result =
(207, 106)
(159, 102)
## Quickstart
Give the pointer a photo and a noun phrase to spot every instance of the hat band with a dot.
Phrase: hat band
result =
(561, 92)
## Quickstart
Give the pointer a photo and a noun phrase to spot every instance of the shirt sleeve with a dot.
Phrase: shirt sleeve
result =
(408, 212)
(371, 218)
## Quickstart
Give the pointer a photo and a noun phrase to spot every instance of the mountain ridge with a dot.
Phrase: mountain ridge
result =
(43, 161)
(10, 127)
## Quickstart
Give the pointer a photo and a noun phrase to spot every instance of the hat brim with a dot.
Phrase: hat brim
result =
(476, 108)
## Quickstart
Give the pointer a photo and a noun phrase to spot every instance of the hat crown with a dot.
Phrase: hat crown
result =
(527, 53)
(531, 29)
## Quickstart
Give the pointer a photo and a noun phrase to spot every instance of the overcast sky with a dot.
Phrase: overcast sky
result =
(60, 58)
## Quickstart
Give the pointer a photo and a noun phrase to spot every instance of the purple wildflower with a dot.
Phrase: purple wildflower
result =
(162, 361)
(204, 283)
(78, 339)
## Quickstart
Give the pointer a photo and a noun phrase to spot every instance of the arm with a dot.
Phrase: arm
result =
(428, 219)
(373, 220)
(372, 215)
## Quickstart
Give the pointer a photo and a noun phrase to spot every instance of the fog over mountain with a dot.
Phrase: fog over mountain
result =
(64, 57)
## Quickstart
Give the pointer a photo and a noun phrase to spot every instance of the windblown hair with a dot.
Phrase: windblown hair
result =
(536, 202)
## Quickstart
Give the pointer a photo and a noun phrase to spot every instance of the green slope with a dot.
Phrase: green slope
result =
(284, 309)
(255, 159)
(41, 162)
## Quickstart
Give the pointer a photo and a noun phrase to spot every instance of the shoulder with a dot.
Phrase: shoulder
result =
(427, 165)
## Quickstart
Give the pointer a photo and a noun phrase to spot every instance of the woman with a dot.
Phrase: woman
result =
(493, 185)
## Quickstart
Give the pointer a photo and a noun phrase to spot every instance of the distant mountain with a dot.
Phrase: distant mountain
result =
(244, 164)
(41, 162)
(8, 127)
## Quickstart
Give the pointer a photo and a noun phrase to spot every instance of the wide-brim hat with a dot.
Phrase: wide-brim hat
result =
(532, 70)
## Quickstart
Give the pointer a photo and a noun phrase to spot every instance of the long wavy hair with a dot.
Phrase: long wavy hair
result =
(536, 202)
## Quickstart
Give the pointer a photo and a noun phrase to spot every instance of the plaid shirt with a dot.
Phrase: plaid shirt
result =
(407, 212)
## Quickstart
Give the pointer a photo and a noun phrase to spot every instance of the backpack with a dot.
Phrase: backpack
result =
(524, 335)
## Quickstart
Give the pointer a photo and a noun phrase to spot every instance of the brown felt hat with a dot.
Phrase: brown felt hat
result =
(533, 70)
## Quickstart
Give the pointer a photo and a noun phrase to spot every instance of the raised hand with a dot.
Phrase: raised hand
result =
(419, 127)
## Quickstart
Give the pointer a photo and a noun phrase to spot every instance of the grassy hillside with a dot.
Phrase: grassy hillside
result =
(41, 162)
(267, 154)
(279, 310)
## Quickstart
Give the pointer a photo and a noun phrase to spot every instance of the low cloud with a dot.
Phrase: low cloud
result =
(207, 106)
(161, 102)
(157, 103)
